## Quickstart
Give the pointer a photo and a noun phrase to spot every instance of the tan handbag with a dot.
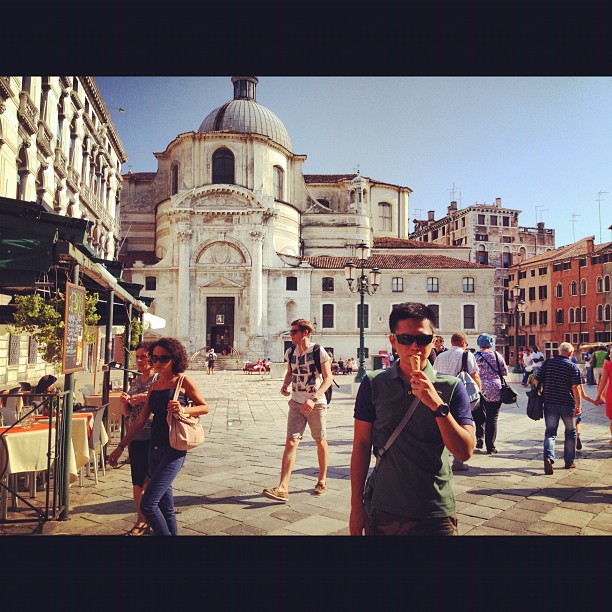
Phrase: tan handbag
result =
(184, 432)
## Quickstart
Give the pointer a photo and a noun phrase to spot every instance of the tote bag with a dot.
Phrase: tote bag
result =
(184, 432)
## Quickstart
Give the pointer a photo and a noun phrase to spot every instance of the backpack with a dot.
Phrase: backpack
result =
(316, 353)
(470, 385)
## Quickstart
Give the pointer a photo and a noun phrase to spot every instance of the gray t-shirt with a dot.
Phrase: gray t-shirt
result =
(305, 378)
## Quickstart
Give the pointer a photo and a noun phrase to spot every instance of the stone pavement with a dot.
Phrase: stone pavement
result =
(218, 491)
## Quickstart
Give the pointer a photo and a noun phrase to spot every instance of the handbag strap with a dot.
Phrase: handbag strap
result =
(177, 391)
(503, 382)
(397, 431)
(498, 371)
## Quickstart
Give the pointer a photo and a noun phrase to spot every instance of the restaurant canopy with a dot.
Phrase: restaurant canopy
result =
(38, 251)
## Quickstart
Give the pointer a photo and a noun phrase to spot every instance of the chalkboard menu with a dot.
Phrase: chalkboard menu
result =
(74, 329)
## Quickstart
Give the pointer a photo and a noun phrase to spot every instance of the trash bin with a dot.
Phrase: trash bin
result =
(377, 362)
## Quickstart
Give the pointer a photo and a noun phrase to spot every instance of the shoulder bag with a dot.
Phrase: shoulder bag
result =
(470, 385)
(184, 432)
(535, 401)
(368, 490)
(506, 393)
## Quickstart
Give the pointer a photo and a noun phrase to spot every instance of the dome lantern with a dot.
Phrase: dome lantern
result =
(245, 116)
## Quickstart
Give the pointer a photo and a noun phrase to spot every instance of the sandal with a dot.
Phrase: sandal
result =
(320, 488)
(139, 529)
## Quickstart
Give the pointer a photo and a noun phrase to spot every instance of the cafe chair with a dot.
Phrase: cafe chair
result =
(10, 412)
(96, 454)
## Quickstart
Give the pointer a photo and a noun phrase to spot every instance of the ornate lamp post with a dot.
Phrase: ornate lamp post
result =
(364, 283)
(516, 307)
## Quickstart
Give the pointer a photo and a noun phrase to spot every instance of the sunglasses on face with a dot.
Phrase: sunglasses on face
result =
(295, 331)
(160, 358)
(420, 339)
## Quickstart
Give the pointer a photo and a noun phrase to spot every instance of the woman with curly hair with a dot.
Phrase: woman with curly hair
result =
(169, 359)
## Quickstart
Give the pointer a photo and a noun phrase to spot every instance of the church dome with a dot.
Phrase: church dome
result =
(243, 114)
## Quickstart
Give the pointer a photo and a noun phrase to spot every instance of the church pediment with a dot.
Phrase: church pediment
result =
(222, 198)
(221, 282)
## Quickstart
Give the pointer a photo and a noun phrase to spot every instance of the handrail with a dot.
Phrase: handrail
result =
(196, 354)
(235, 354)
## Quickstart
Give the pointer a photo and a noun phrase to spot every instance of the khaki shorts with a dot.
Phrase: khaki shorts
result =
(316, 419)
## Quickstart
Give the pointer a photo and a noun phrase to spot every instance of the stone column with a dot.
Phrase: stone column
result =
(182, 312)
(256, 285)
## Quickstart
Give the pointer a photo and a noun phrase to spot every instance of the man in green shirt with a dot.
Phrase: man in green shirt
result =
(599, 356)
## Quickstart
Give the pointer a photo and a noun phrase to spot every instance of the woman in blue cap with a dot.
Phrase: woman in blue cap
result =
(491, 366)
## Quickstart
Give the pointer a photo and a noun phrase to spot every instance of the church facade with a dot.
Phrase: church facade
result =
(234, 242)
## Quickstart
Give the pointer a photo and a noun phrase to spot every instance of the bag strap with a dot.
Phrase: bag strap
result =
(540, 386)
(397, 431)
(177, 391)
(464, 358)
(503, 382)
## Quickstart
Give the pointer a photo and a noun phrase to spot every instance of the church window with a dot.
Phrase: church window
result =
(223, 167)
(279, 186)
(291, 283)
(175, 179)
(384, 216)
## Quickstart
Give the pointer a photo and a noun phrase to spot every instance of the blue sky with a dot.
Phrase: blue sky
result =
(541, 144)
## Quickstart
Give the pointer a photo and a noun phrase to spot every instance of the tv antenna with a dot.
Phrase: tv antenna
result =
(541, 206)
(599, 193)
(574, 215)
(452, 192)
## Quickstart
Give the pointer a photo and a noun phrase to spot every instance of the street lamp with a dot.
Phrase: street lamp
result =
(363, 284)
(516, 306)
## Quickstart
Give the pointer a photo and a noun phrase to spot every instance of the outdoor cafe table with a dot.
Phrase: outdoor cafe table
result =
(25, 450)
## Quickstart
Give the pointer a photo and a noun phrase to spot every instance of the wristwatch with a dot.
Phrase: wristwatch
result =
(441, 411)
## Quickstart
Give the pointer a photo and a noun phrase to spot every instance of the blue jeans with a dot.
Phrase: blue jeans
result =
(552, 414)
(157, 503)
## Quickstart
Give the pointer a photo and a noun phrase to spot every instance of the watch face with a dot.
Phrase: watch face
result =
(442, 410)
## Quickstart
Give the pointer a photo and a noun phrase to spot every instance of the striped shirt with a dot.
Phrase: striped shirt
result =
(559, 375)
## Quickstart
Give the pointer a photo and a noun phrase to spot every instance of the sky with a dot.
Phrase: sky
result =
(541, 144)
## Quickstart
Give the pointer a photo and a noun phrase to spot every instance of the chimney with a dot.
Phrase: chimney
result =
(453, 207)
(590, 245)
(498, 202)
(431, 215)
(540, 227)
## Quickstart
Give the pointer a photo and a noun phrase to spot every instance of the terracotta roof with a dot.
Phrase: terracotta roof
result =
(404, 243)
(328, 178)
(397, 262)
(568, 251)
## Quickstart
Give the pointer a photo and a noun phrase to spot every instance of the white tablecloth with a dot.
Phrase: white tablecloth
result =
(27, 448)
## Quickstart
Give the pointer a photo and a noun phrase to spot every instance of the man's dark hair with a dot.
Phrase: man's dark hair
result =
(411, 310)
(180, 360)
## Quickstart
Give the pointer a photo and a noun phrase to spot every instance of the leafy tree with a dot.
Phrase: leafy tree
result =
(43, 320)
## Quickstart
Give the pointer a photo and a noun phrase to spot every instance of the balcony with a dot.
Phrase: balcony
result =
(61, 163)
(74, 179)
(5, 87)
(43, 139)
(27, 113)
(98, 209)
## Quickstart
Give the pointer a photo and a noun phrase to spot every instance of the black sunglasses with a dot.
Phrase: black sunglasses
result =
(295, 331)
(420, 339)
(161, 359)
